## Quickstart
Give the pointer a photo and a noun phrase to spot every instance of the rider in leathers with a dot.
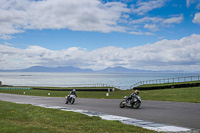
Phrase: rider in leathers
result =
(73, 92)
(133, 95)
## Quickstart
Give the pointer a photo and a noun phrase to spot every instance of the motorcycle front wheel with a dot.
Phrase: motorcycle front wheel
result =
(72, 101)
(66, 101)
(136, 105)
(122, 104)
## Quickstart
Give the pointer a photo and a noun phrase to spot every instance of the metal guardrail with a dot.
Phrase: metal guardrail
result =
(91, 85)
(168, 80)
(87, 85)
(14, 88)
(76, 85)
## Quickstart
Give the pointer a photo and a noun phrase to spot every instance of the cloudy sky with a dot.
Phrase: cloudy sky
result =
(95, 34)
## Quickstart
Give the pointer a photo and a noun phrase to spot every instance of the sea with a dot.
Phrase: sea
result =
(120, 80)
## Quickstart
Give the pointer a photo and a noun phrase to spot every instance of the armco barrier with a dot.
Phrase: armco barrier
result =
(91, 89)
(15, 88)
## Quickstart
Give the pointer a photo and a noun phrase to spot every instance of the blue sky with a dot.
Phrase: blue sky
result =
(95, 34)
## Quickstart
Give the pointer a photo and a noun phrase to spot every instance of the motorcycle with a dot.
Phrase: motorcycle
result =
(129, 102)
(70, 99)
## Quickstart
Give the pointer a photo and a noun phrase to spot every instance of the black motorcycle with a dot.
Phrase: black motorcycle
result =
(134, 102)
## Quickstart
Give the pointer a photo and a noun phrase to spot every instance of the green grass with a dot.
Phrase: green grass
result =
(31, 119)
(169, 84)
(191, 94)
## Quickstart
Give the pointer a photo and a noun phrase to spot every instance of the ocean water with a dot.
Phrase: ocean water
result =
(119, 80)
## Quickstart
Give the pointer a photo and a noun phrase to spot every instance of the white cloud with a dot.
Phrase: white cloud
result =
(142, 8)
(6, 43)
(190, 2)
(196, 18)
(174, 20)
(85, 15)
(155, 23)
(180, 54)
(78, 15)
(151, 27)
(171, 20)
(141, 33)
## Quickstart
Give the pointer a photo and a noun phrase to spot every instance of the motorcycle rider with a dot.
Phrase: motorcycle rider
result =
(73, 92)
(136, 92)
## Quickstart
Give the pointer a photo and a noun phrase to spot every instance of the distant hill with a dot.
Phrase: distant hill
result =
(51, 69)
(55, 69)
(120, 69)
(71, 69)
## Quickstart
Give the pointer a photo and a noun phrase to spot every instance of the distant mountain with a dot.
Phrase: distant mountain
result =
(51, 69)
(55, 69)
(71, 69)
(120, 69)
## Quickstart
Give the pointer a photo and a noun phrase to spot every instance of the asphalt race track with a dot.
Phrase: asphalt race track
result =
(172, 113)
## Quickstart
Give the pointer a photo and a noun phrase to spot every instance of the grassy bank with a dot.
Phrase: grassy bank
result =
(169, 84)
(191, 94)
(27, 118)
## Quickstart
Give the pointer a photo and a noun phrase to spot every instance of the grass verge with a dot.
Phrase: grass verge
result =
(191, 94)
(169, 84)
(27, 118)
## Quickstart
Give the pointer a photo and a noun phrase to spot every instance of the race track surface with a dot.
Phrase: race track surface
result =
(172, 113)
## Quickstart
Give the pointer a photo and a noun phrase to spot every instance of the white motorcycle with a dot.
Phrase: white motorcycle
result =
(70, 99)
(134, 102)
